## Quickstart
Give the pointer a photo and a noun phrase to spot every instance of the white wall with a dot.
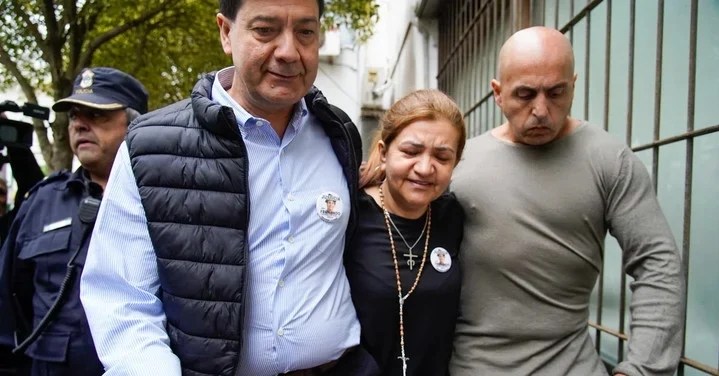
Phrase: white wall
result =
(338, 78)
(403, 53)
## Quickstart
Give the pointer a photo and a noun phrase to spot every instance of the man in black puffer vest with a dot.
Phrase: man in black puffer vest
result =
(215, 252)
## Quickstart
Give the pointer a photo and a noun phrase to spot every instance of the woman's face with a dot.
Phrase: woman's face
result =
(418, 165)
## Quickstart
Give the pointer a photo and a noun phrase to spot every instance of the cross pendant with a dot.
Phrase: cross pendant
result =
(404, 360)
(410, 259)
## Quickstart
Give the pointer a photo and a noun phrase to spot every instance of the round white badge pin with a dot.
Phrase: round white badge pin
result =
(440, 259)
(329, 206)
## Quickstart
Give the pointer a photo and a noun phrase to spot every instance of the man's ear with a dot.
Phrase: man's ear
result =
(225, 25)
(496, 90)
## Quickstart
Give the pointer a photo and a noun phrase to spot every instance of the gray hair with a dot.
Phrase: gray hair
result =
(131, 114)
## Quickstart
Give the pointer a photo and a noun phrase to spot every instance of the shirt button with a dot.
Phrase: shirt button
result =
(280, 332)
(281, 283)
(291, 239)
(290, 197)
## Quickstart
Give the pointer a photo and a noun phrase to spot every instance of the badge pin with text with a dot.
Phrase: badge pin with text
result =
(329, 206)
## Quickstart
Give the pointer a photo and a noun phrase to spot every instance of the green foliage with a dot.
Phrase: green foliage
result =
(18, 44)
(170, 53)
(358, 15)
(166, 44)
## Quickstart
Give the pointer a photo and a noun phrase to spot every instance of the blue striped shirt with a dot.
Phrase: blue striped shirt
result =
(299, 313)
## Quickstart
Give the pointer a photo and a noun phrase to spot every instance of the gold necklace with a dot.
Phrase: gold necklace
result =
(402, 298)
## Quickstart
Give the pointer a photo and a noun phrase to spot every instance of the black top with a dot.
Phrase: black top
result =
(430, 312)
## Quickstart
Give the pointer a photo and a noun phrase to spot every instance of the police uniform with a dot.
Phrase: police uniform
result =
(34, 262)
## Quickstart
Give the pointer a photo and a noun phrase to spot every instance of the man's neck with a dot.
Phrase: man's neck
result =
(280, 122)
(99, 179)
(279, 119)
(279, 116)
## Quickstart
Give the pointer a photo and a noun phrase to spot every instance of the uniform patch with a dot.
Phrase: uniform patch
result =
(56, 225)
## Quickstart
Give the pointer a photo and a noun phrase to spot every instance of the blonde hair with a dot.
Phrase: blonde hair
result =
(426, 104)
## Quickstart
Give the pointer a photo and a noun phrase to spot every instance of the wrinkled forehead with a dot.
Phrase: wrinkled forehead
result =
(537, 70)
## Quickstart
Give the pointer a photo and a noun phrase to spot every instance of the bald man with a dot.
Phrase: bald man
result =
(541, 192)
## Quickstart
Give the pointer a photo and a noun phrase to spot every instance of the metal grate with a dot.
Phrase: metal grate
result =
(471, 33)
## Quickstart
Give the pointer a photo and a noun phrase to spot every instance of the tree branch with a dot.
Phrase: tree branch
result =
(104, 38)
(84, 20)
(32, 28)
(54, 42)
(68, 17)
(12, 67)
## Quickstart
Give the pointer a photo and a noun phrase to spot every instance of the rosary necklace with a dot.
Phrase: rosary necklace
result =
(410, 256)
(401, 297)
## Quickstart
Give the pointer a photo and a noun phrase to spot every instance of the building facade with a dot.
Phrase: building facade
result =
(648, 72)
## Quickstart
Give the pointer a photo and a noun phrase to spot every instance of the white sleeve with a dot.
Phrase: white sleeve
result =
(119, 284)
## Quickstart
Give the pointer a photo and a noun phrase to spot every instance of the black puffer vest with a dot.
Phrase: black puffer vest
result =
(191, 168)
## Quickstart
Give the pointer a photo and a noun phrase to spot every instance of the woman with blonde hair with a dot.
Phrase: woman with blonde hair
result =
(402, 261)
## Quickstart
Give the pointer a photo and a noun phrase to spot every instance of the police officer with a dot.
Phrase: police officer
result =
(42, 259)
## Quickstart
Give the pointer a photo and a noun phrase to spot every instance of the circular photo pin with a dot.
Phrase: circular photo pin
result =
(329, 206)
(440, 259)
